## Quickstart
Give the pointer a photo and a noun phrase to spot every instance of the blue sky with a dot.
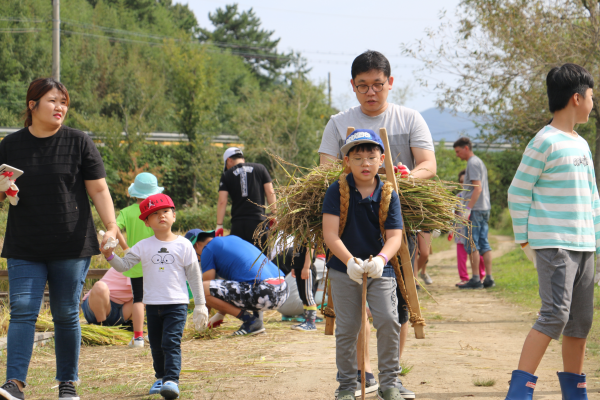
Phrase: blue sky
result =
(331, 33)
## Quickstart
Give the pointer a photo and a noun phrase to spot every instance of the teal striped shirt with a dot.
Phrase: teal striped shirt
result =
(553, 198)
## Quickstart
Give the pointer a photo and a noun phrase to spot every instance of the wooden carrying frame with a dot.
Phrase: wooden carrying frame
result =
(405, 261)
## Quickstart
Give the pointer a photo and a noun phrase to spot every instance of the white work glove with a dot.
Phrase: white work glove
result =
(467, 213)
(435, 233)
(5, 183)
(9, 187)
(402, 169)
(529, 252)
(219, 230)
(111, 243)
(355, 269)
(374, 268)
(200, 317)
(216, 320)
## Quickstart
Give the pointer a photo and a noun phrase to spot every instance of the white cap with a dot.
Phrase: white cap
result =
(232, 151)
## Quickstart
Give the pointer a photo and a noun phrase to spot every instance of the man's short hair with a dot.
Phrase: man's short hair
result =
(371, 60)
(237, 157)
(563, 82)
(462, 142)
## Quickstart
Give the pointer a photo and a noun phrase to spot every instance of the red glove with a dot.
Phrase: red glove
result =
(402, 170)
(12, 190)
(450, 236)
(219, 230)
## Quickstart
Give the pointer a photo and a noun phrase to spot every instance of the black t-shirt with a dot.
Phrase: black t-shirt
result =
(53, 219)
(245, 184)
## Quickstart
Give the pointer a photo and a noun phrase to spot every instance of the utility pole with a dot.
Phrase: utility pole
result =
(329, 86)
(56, 39)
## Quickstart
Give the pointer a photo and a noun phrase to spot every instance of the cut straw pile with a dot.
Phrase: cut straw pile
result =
(91, 335)
(427, 204)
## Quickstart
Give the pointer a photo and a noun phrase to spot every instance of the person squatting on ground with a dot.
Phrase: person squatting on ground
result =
(62, 167)
(351, 220)
(238, 279)
(144, 185)
(554, 204)
(411, 145)
(167, 260)
(477, 210)
(110, 302)
(461, 241)
(248, 184)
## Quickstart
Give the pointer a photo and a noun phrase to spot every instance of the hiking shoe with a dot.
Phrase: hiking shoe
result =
(344, 395)
(472, 285)
(155, 389)
(488, 283)
(426, 278)
(251, 326)
(305, 327)
(390, 394)
(404, 392)
(136, 343)
(169, 390)
(66, 390)
(10, 391)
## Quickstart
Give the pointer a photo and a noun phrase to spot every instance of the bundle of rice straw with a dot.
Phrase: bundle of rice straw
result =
(91, 335)
(427, 204)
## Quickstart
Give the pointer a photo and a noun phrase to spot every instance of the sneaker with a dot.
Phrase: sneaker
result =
(155, 389)
(66, 390)
(461, 283)
(251, 326)
(305, 327)
(488, 283)
(371, 385)
(390, 394)
(404, 392)
(10, 391)
(472, 285)
(426, 278)
(169, 390)
(136, 342)
(344, 395)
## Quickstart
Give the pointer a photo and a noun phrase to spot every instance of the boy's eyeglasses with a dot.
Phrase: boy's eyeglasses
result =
(377, 87)
(358, 161)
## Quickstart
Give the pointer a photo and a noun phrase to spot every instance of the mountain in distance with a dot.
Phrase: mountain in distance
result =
(444, 125)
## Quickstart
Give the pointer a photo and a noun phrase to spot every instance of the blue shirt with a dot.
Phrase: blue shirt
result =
(361, 235)
(234, 259)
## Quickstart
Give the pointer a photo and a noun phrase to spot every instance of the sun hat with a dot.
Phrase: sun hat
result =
(360, 136)
(144, 185)
(154, 203)
(232, 151)
(193, 234)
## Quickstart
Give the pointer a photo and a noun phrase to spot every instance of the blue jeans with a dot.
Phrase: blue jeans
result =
(27, 280)
(165, 329)
(479, 232)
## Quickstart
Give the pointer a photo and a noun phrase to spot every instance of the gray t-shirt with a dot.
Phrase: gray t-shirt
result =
(476, 171)
(406, 128)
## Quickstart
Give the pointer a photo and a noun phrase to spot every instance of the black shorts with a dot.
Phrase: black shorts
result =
(137, 288)
(244, 228)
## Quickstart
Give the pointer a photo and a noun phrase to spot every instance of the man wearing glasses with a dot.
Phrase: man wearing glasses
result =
(411, 145)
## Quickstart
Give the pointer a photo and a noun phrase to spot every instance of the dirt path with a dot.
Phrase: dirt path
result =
(470, 335)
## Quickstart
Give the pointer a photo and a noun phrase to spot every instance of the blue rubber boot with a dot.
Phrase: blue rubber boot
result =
(522, 385)
(572, 386)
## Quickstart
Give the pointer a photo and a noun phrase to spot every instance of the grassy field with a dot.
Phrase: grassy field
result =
(516, 280)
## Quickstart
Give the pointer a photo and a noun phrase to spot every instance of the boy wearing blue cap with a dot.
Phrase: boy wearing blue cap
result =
(351, 216)
(144, 185)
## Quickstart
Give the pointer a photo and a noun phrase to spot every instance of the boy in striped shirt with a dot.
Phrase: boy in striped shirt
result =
(553, 201)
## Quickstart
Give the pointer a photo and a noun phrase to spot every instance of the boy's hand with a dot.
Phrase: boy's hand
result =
(374, 268)
(200, 317)
(355, 269)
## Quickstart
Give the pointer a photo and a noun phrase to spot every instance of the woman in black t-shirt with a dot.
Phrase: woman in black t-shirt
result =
(50, 233)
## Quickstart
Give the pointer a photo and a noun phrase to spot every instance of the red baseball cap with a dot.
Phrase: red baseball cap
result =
(154, 203)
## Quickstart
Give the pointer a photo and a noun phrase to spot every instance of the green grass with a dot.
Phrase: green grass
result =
(486, 382)
(441, 243)
(516, 280)
(406, 368)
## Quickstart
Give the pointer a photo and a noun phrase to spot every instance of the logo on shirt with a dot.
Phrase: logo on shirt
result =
(163, 259)
(580, 161)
